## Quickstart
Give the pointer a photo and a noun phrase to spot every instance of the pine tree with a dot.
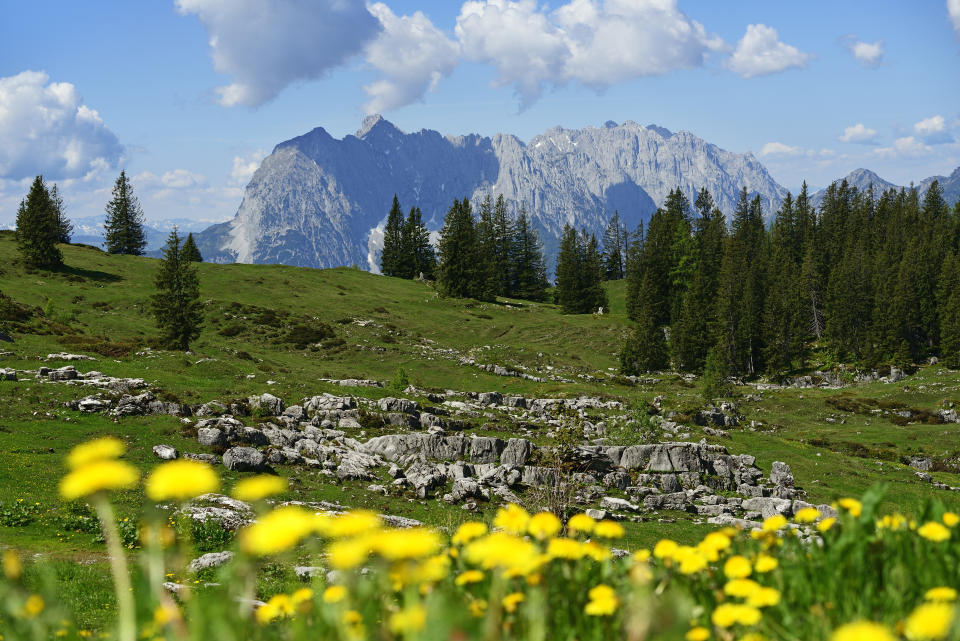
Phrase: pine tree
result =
(190, 252)
(457, 268)
(528, 264)
(123, 226)
(949, 309)
(504, 250)
(487, 279)
(646, 349)
(390, 256)
(593, 293)
(424, 259)
(64, 226)
(634, 270)
(569, 285)
(176, 305)
(615, 249)
(38, 231)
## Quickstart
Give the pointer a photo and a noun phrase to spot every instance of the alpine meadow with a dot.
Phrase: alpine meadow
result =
(580, 382)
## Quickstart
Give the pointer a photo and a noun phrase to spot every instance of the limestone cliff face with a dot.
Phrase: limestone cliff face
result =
(317, 201)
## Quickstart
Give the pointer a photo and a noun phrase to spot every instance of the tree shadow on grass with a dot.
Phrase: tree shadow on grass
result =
(78, 274)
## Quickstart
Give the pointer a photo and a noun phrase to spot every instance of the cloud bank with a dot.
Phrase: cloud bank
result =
(760, 52)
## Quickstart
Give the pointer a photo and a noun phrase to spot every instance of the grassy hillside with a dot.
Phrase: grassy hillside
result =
(283, 329)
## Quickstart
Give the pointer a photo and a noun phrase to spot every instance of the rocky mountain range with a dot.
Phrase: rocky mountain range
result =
(321, 202)
(863, 178)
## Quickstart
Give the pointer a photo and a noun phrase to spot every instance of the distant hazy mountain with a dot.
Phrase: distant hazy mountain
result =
(320, 202)
(863, 178)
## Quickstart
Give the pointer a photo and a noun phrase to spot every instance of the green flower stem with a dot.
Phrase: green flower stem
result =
(118, 567)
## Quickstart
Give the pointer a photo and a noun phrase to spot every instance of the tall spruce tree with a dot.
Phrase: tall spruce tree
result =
(487, 279)
(190, 252)
(569, 272)
(594, 294)
(390, 255)
(504, 250)
(64, 226)
(176, 303)
(457, 273)
(615, 239)
(123, 227)
(38, 232)
(424, 259)
(646, 349)
(528, 267)
(949, 309)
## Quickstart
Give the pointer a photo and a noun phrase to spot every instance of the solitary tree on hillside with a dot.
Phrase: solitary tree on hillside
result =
(64, 226)
(190, 251)
(176, 305)
(37, 231)
(123, 226)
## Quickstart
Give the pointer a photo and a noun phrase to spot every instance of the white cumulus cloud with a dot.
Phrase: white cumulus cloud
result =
(905, 146)
(933, 130)
(46, 129)
(780, 149)
(597, 43)
(411, 55)
(869, 54)
(859, 133)
(266, 46)
(953, 9)
(244, 167)
(760, 52)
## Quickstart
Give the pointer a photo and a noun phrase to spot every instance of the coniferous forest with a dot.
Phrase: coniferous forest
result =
(866, 278)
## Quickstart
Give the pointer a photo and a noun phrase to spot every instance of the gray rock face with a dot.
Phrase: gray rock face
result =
(769, 506)
(209, 561)
(267, 403)
(244, 459)
(165, 452)
(211, 437)
(780, 474)
(315, 200)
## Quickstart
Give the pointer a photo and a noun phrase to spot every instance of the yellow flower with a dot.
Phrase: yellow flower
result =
(737, 567)
(692, 562)
(413, 543)
(259, 487)
(503, 550)
(347, 554)
(511, 601)
(603, 601)
(12, 568)
(468, 532)
(181, 480)
(774, 523)
(950, 519)
(698, 633)
(765, 563)
(933, 531)
(665, 549)
(595, 551)
(826, 523)
(581, 524)
(33, 606)
(892, 522)
(807, 515)
(412, 619)
(742, 588)
(716, 541)
(334, 594)
(97, 477)
(641, 556)
(609, 530)
(470, 576)
(929, 621)
(279, 605)
(277, 531)
(164, 614)
(853, 506)
(303, 595)
(764, 597)
(477, 607)
(943, 594)
(862, 631)
(727, 615)
(100, 449)
(544, 525)
(350, 524)
(562, 548)
(512, 518)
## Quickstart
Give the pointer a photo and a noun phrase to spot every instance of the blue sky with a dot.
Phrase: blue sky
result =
(189, 95)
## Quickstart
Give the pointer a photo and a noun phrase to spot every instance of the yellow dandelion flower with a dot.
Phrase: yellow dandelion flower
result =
(698, 633)
(411, 619)
(933, 531)
(468, 531)
(862, 631)
(942, 594)
(96, 477)
(609, 530)
(412, 543)
(279, 605)
(765, 563)
(259, 487)
(581, 524)
(511, 601)
(826, 523)
(470, 576)
(433, 569)
(352, 617)
(737, 567)
(477, 607)
(774, 523)
(806, 515)
(512, 519)
(603, 601)
(563, 548)
(693, 563)
(950, 519)
(334, 594)
(277, 531)
(34, 606)
(595, 551)
(641, 556)
(301, 596)
(350, 524)
(764, 597)
(718, 541)
(665, 549)
(502, 550)
(12, 568)
(99, 449)
(181, 480)
(853, 506)
(727, 615)
(346, 554)
(741, 588)
(929, 621)
(892, 522)
(543, 525)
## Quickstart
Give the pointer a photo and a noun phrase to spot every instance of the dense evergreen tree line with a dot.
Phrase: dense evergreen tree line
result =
(580, 273)
(407, 252)
(871, 278)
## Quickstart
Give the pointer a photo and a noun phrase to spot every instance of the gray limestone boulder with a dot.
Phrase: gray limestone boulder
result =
(244, 459)
(165, 452)
(209, 561)
(267, 404)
